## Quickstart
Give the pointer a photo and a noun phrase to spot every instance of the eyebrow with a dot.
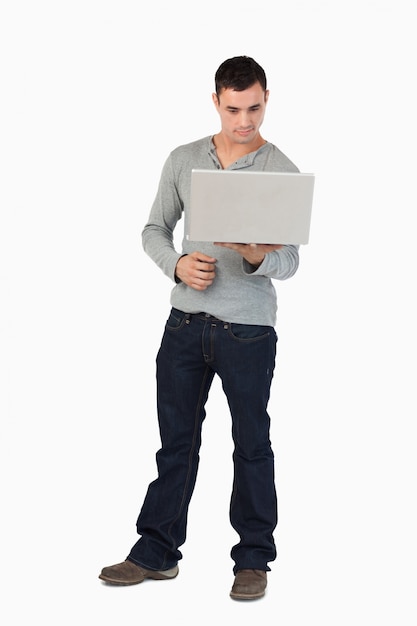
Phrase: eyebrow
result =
(253, 106)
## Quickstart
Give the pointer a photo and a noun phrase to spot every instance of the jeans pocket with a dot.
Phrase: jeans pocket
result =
(175, 320)
(249, 332)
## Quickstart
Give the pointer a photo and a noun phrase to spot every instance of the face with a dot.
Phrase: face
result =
(241, 112)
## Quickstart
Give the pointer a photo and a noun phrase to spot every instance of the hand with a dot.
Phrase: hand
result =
(254, 253)
(197, 270)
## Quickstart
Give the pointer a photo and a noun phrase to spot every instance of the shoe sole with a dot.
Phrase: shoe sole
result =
(247, 596)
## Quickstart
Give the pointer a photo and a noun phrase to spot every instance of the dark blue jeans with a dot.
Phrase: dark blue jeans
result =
(193, 349)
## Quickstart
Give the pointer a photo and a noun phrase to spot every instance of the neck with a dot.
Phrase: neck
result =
(229, 151)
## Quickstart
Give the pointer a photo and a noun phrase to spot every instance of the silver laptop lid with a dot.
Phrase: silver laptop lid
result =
(250, 207)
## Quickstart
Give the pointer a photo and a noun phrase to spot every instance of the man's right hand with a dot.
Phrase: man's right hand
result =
(197, 270)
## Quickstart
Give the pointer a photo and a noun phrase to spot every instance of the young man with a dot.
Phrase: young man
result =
(221, 322)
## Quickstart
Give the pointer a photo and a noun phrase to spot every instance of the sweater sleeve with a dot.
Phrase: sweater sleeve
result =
(279, 264)
(158, 233)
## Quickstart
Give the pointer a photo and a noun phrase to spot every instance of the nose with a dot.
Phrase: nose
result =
(244, 119)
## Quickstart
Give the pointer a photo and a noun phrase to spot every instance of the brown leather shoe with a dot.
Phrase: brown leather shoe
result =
(128, 573)
(249, 584)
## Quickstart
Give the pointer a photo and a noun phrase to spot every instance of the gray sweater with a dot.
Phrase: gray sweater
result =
(240, 293)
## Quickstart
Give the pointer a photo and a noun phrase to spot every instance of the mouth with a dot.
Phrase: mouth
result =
(244, 132)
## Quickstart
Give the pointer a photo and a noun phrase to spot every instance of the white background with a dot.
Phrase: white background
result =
(94, 95)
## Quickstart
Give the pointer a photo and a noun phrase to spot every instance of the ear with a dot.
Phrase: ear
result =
(215, 100)
(266, 96)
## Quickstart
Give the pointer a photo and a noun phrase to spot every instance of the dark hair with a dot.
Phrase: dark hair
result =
(239, 73)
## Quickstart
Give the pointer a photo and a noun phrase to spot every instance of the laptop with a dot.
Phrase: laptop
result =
(250, 207)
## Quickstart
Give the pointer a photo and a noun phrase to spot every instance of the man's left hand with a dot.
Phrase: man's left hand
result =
(254, 253)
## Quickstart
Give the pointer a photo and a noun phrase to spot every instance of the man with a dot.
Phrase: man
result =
(221, 322)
